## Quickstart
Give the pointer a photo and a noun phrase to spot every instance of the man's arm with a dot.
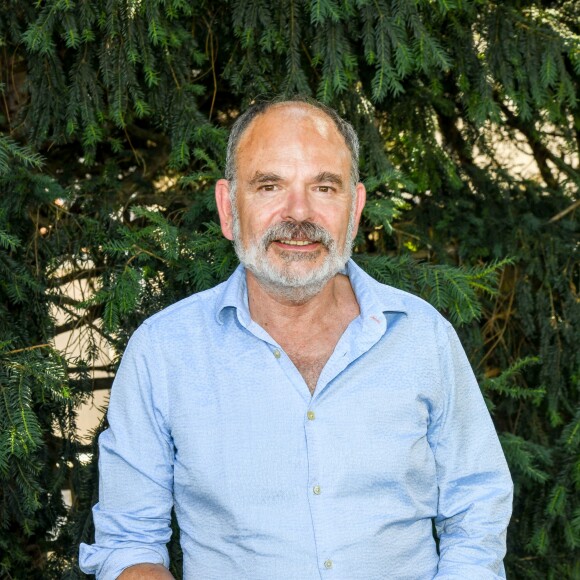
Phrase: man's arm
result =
(146, 572)
(475, 487)
(133, 516)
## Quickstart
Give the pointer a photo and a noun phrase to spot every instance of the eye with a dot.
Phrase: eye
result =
(268, 187)
(325, 188)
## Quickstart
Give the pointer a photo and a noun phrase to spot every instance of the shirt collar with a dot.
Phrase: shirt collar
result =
(373, 297)
(234, 295)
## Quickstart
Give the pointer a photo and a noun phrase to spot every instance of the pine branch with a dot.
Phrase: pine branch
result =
(564, 212)
(91, 313)
(540, 152)
(75, 275)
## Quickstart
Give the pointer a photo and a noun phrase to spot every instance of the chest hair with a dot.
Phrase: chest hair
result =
(310, 341)
(309, 365)
(311, 352)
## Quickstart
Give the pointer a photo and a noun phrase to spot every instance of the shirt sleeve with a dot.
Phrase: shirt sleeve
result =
(133, 516)
(475, 487)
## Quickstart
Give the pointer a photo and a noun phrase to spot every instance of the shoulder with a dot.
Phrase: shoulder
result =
(194, 312)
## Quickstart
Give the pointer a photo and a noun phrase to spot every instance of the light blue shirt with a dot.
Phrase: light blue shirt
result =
(209, 414)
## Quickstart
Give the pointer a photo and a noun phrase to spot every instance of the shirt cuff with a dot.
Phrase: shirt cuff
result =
(107, 564)
(458, 572)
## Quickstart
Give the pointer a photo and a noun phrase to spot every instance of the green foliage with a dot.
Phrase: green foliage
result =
(113, 120)
(34, 392)
(38, 440)
(451, 290)
(10, 151)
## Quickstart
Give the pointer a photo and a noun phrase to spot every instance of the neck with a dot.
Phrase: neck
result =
(271, 309)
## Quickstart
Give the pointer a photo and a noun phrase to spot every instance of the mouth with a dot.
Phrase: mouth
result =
(297, 246)
(289, 242)
(298, 238)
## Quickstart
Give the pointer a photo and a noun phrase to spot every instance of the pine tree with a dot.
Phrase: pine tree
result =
(113, 121)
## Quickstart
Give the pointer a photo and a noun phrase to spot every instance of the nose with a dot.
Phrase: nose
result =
(298, 205)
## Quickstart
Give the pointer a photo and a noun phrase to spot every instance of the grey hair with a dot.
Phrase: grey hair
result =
(245, 119)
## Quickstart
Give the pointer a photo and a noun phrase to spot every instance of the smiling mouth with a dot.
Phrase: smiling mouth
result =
(307, 237)
(296, 242)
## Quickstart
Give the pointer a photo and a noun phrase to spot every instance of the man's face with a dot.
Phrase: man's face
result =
(296, 212)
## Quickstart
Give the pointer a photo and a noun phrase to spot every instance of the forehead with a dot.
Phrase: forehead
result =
(292, 132)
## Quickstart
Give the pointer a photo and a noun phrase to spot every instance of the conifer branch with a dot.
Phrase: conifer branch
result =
(91, 314)
(540, 152)
(75, 275)
(564, 212)
(28, 348)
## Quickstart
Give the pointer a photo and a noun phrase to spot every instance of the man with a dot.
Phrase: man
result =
(305, 421)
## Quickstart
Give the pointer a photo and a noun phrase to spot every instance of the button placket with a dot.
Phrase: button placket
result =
(314, 485)
(322, 485)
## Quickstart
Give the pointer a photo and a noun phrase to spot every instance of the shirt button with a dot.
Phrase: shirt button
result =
(328, 564)
(311, 416)
(277, 353)
(316, 489)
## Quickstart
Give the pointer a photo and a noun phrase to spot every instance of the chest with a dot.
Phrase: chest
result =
(249, 446)
(310, 351)
(310, 362)
(243, 434)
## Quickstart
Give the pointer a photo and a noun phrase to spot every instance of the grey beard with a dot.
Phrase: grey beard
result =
(280, 281)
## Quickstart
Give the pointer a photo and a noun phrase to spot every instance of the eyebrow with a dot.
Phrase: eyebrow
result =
(270, 177)
(329, 177)
(261, 177)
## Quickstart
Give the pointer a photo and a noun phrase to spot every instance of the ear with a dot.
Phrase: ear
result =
(224, 207)
(361, 198)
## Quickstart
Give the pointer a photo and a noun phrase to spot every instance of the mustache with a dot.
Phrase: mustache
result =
(297, 231)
